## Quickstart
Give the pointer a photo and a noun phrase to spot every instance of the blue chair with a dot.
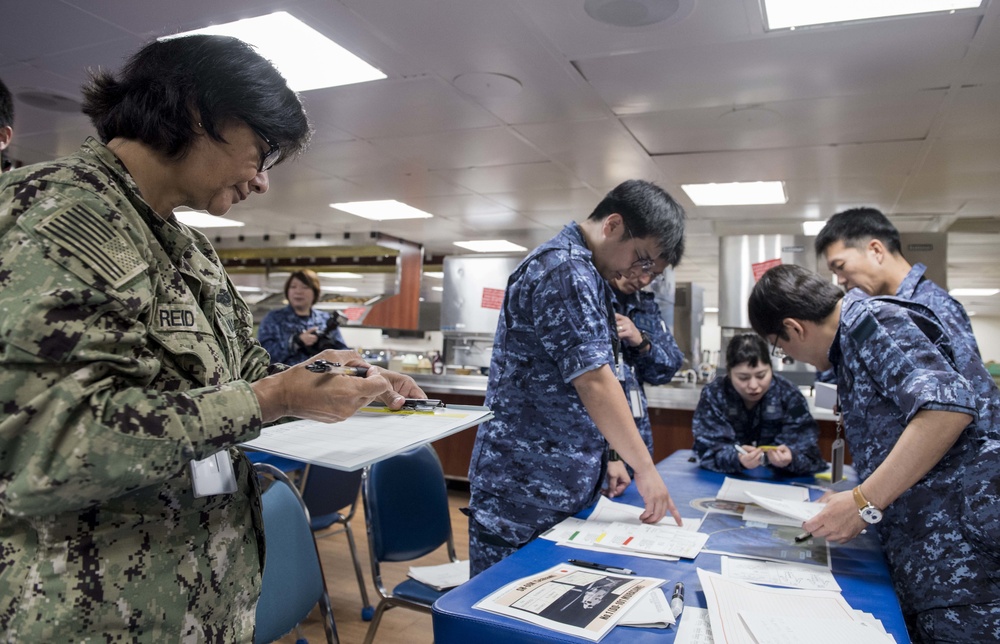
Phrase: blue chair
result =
(327, 492)
(406, 508)
(293, 580)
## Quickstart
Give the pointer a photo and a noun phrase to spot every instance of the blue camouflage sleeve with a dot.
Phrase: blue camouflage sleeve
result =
(274, 337)
(571, 318)
(713, 435)
(658, 365)
(905, 366)
(800, 434)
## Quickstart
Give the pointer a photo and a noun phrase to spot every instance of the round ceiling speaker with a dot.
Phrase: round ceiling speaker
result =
(637, 13)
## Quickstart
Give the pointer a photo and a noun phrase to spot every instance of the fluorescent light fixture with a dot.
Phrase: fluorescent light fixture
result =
(435, 274)
(249, 289)
(789, 14)
(340, 289)
(970, 313)
(199, 219)
(973, 292)
(491, 246)
(341, 276)
(305, 57)
(381, 210)
(711, 309)
(812, 228)
(437, 288)
(749, 193)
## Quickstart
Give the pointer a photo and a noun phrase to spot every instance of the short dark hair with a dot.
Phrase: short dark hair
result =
(855, 226)
(749, 349)
(309, 278)
(157, 92)
(6, 106)
(648, 211)
(790, 291)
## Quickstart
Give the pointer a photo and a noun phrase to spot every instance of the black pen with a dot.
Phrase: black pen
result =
(325, 366)
(805, 536)
(597, 566)
(677, 600)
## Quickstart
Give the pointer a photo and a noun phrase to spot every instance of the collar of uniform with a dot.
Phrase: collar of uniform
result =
(111, 162)
(909, 284)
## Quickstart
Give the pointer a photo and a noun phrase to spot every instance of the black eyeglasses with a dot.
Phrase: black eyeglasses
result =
(645, 264)
(777, 351)
(269, 158)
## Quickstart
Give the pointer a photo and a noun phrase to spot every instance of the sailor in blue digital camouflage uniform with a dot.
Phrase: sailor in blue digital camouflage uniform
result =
(128, 368)
(650, 353)
(554, 387)
(918, 432)
(297, 332)
(755, 408)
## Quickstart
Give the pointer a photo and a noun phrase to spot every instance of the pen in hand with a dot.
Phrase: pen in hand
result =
(677, 600)
(597, 566)
(325, 366)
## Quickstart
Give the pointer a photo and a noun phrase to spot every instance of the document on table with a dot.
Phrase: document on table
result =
(787, 629)
(728, 599)
(372, 434)
(735, 490)
(730, 535)
(775, 573)
(652, 611)
(577, 601)
(800, 511)
(695, 627)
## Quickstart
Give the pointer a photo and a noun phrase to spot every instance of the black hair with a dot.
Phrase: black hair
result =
(309, 278)
(6, 106)
(856, 226)
(749, 349)
(156, 95)
(648, 211)
(790, 291)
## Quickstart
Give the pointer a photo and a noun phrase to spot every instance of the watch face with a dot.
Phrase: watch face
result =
(871, 514)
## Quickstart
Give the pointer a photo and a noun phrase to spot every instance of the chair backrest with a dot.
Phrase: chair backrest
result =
(293, 581)
(406, 505)
(328, 490)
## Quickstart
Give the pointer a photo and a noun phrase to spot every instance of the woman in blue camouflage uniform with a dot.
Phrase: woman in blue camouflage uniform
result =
(754, 407)
(297, 332)
(128, 366)
(918, 424)
(649, 351)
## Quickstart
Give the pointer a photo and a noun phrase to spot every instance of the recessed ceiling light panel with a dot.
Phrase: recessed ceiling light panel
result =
(789, 14)
(748, 193)
(381, 210)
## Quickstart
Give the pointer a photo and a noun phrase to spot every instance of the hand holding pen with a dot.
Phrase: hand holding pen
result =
(750, 458)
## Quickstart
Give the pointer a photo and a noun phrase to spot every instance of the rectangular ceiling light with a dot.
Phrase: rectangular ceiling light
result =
(789, 14)
(199, 219)
(749, 193)
(491, 246)
(381, 210)
(341, 276)
(973, 292)
(305, 57)
(812, 228)
(436, 274)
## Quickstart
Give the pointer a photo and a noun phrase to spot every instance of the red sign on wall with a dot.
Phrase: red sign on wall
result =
(762, 267)
(492, 298)
(354, 313)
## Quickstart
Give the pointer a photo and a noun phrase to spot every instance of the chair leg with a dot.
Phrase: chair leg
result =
(366, 607)
(326, 610)
(373, 626)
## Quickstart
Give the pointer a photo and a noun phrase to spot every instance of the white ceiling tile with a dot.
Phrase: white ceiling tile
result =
(460, 149)
(512, 178)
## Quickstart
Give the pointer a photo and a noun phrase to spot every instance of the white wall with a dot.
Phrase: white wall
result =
(987, 331)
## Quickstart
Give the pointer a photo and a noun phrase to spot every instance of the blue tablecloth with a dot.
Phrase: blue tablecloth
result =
(858, 567)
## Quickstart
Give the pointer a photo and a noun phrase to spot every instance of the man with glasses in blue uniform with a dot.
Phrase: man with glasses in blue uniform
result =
(560, 413)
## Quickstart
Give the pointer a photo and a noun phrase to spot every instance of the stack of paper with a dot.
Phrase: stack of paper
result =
(744, 613)
(442, 577)
(616, 527)
(652, 611)
(577, 601)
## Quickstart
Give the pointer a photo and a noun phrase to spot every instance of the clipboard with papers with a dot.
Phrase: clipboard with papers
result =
(372, 434)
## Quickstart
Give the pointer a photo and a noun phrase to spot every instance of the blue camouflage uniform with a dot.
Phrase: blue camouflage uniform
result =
(782, 417)
(942, 536)
(280, 328)
(541, 458)
(656, 366)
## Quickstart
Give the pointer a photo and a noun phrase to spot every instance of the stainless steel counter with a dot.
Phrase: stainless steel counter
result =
(664, 397)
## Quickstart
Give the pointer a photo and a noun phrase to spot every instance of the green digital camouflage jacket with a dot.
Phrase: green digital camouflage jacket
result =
(125, 352)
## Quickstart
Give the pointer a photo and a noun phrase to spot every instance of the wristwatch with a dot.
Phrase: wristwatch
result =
(645, 341)
(869, 513)
(613, 455)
